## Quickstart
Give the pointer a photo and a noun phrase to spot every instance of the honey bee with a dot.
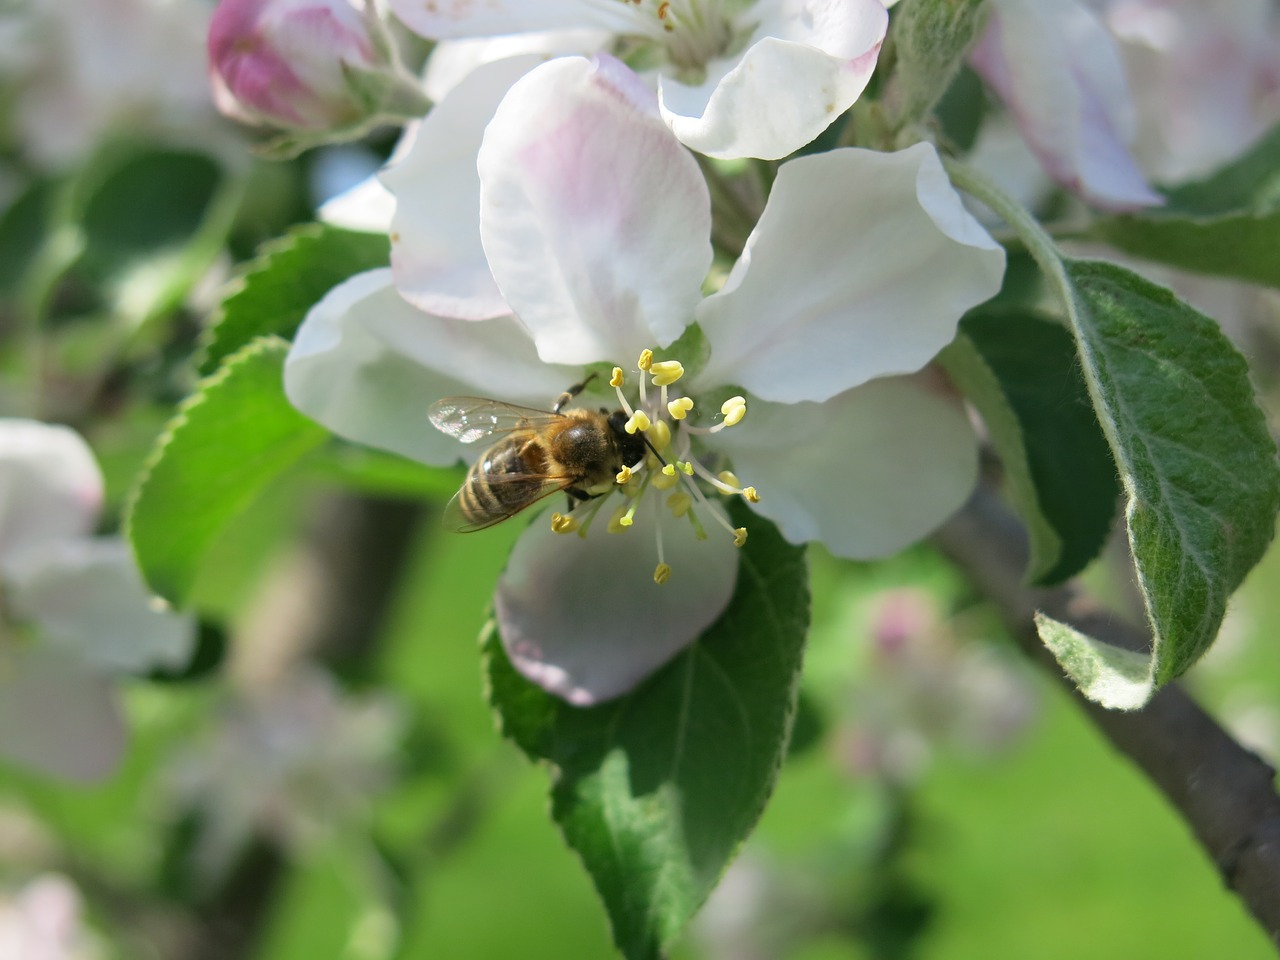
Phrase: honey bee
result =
(540, 452)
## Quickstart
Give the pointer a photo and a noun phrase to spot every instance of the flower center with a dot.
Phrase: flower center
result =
(692, 32)
(668, 476)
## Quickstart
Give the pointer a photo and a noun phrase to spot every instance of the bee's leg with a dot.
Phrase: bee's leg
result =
(570, 394)
(574, 497)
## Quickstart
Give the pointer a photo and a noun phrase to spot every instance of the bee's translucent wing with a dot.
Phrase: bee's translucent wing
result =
(469, 419)
(503, 497)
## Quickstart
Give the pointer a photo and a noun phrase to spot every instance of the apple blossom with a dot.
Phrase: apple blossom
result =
(795, 376)
(735, 78)
(310, 67)
(43, 920)
(1058, 70)
(73, 609)
(1206, 79)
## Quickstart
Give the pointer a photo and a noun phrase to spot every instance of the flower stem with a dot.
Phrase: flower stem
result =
(1039, 244)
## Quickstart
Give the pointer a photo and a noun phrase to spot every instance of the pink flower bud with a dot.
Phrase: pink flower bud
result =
(302, 65)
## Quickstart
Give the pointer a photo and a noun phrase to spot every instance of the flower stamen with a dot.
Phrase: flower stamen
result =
(563, 523)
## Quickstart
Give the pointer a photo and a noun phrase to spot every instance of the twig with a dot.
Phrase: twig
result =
(1225, 793)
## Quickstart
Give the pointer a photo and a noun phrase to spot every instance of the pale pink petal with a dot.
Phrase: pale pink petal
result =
(808, 62)
(87, 597)
(57, 717)
(583, 618)
(860, 267)
(436, 254)
(866, 473)
(1058, 70)
(595, 219)
(366, 365)
(460, 19)
(50, 486)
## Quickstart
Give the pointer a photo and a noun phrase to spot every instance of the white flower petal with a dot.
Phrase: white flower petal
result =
(811, 60)
(459, 19)
(367, 365)
(583, 617)
(367, 206)
(595, 219)
(436, 254)
(1058, 70)
(866, 473)
(50, 486)
(57, 717)
(860, 267)
(88, 598)
(453, 60)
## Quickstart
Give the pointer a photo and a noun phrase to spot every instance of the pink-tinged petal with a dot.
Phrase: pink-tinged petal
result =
(460, 19)
(811, 61)
(436, 255)
(1058, 70)
(57, 717)
(366, 365)
(866, 473)
(595, 219)
(860, 267)
(583, 618)
(87, 598)
(50, 487)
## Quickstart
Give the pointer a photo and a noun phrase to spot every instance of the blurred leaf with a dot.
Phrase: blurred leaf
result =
(24, 228)
(1227, 224)
(1196, 460)
(286, 280)
(1022, 374)
(229, 439)
(151, 223)
(657, 790)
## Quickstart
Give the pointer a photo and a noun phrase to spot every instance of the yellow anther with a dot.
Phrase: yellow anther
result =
(734, 409)
(662, 573)
(679, 502)
(623, 475)
(620, 521)
(739, 536)
(729, 479)
(617, 379)
(660, 435)
(679, 407)
(663, 480)
(562, 523)
(666, 372)
(646, 360)
(685, 467)
(638, 421)
(749, 493)
(669, 470)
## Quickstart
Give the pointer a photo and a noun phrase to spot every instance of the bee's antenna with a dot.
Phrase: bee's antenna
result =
(654, 450)
(571, 393)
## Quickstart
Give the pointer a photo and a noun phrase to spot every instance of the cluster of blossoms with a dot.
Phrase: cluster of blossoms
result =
(74, 612)
(548, 225)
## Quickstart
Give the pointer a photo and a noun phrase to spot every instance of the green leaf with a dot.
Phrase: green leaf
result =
(1227, 224)
(232, 436)
(1195, 457)
(1021, 372)
(151, 222)
(288, 278)
(657, 790)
